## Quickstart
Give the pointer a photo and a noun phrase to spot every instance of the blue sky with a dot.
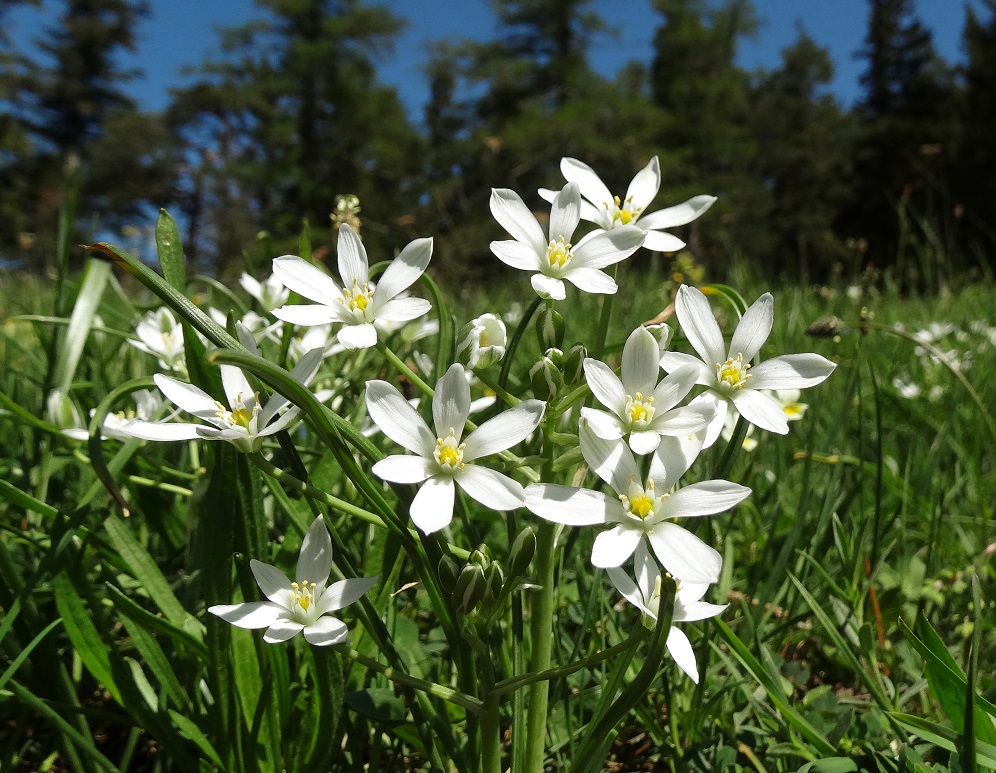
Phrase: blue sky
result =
(181, 32)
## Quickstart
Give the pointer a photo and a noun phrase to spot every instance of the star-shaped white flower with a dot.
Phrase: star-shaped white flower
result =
(271, 292)
(304, 605)
(556, 258)
(608, 211)
(640, 406)
(642, 508)
(358, 304)
(645, 595)
(161, 335)
(243, 423)
(146, 404)
(441, 459)
(729, 374)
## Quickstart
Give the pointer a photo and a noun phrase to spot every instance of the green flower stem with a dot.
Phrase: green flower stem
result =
(603, 320)
(515, 683)
(513, 344)
(469, 702)
(507, 397)
(407, 372)
(139, 480)
(732, 449)
(541, 646)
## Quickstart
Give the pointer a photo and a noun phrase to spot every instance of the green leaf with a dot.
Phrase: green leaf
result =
(157, 662)
(830, 765)
(190, 635)
(19, 498)
(378, 704)
(170, 251)
(193, 732)
(945, 737)
(728, 294)
(95, 276)
(23, 654)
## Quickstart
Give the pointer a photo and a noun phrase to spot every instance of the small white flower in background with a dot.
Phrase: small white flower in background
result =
(146, 405)
(608, 211)
(243, 423)
(317, 337)
(638, 405)
(728, 373)
(270, 293)
(251, 321)
(730, 426)
(303, 605)
(556, 258)
(854, 293)
(441, 459)
(788, 399)
(936, 393)
(161, 335)
(645, 595)
(484, 342)
(641, 509)
(906, 387)
(358, 304)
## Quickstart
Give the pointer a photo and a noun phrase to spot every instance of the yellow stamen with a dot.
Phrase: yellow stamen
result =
(734, 372)
(559, 253)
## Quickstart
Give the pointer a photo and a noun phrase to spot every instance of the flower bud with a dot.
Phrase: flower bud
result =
(494, 580)
(545, 376)
(449, 570)
(663, 333)
(484, 341)
(469, 590)
(549, 329)
(572, 368)
(521, 552)
(481, 556)
(62, 411)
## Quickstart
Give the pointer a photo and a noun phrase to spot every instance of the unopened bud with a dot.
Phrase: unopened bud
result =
(62, 411)
(494, 580)
(481, 556)
(545, 376)
(484, 341)
(663, 333)
(521, 552)
(469, 590)
(572, 368)
(549, 329)
(449, 570)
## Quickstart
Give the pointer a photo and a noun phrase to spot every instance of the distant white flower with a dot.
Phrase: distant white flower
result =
(485, 341)
(161, 335)
(304, 605)
(645, 595)
(728, 373)
(788, 399)
(259, 326)
(243, 423)
(638, 405)
(316, 337)
(146, 404)
(730, 426)
(270, 293)
(906, 388)
(608, 211)
(642, 508)
(556, 259)
(440, 459)
(358, 304)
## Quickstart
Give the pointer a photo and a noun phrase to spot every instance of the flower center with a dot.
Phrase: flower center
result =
(240, 415)
(304, 594)
(448, 453)
(623, 213)
(641, 506)
(357, 298)
(640, 502)
(639, 409)
(559, 253)
(734, 372)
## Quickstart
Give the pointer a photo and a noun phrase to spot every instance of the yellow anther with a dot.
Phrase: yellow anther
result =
(242, 417)
(641, 506)
(734, 372)
(559, 253)
(639, 408)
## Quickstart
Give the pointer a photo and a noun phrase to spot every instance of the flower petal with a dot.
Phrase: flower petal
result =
(398, 420)
(504, 430)
(609, 247)
(791, 371)
(432, 508)
(451, 402)
(402, 309)
(325, 631)
(592, 280)
(314, 563)
(661, 241)
(699, 326)
(613, 546)
(699, 610)
(674, 456)
(253, 614)
(273, 582)
(565, 213)
(603, 424)
(641, 363)
(754, 328)
(645, 185)
(282, 630)
(674, 387)
(352, 258)
(681, 651)
(307, 316)
(628, 588)
(570, 506)
(548, 287)
(684, 555)
(491, 488)
(236, 387)
(154, 430)
(685, 420)
(673, 361)
(704, 498)
(405, 469)
(680, 214)
(186, 396)
(344, 592)
(610, 460)
(405, 269)
(514, 216)
(644, 442)
(516, 254)
(760, 410)
(605, 385)
(357, 336)
(306, 279)
(589, 183)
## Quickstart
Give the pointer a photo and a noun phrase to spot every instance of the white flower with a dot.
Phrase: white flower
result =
(788, 399)
(160, 334)
(642, 508)
(270, 293)
(556, 258)
(729, 373)
(485, 341)
(146, 404)
(608, 211)
(906, 388)
(645, 595)
(252, 322)
(244, 423)
(305, 604)
(730, 426)
(638, 405)
(441, 458)
(316, 337)
(359, 303)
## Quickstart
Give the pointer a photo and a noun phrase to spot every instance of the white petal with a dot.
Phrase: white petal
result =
(610, 460)
(761, 410)
(432, 508)
(306, 279)
(405, 269)
(609, 247)
(754, 328)
(236, 387)
(684, 555)
(645, 185)
(325, 631)
(589, 183)
(674, 361)
(685, 420)
(614, 546)
(282, 630)
(605, 385)
(504, 430)
(681, 650)
(675, 455)
(451, 402)
(681, 214)
(491, 488)
(398, 420)
(565, 213)
(357, 336)
(699, 610)
(516, 254)
(644, 442)
(661, 241)
(629, 590)
(352, 258)
(515, 217)
(641, 364)
(704, 498)
(791, 371)
(282, 421)
(592, 280)
(672, 390)
(405, 469)
(314, 563)
(307, 316)
(402, 309)
(186, 396)
(570, 506)
(699, 325)
(271, 581)
(254, 614)
(344, 592)
(605, 425)
(153, 430)
(548, 287)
